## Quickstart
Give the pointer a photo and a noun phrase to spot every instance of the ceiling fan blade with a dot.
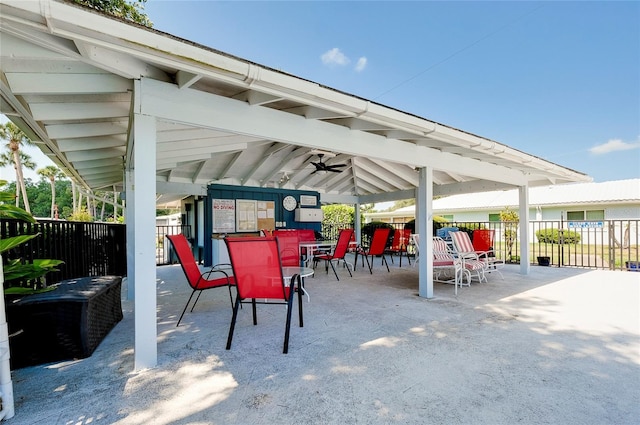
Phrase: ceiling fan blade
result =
(335, 166)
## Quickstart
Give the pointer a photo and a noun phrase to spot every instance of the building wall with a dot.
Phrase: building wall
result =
(631, 212)
(283, 218)
(554, 213)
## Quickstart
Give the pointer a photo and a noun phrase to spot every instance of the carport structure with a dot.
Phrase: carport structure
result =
(118, 106)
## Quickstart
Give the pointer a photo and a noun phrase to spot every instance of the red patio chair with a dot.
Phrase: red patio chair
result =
(339, 252)
(399, 244)
(198, 280)
(306, 235)
(377, 247)
(289, 244)
(258, 274)
(482, 240)
(483, 244)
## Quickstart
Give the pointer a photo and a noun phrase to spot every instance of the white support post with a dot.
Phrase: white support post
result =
(6, 385)
(144, 193)
(523, 195)
(131, 234)
(424, 216)
(357, 226)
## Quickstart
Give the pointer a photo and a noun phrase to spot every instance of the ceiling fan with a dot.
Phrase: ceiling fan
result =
(321, 166)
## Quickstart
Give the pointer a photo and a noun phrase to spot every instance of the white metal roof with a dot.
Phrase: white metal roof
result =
(68, 76)
(611, 192)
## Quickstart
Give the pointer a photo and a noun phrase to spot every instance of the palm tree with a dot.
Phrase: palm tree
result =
(15, 139)
(6, 159)
(51, 172)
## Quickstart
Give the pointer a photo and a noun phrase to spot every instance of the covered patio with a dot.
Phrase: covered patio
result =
(555, 346)
(123, 107)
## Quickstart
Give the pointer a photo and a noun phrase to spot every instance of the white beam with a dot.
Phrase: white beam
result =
(388, 196)
(100, 142)
(211, 111)
(181, 188)
(403, 171)
(79, 111)
(193, 134)
(470, 187)
(387, 176)
(44, 83)
(122, 64)
(191, 149)
(96, 154)
(97, 163)
(72, 131)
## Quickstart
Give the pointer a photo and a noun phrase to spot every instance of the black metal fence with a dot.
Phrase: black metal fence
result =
(87, 249)
(601, 244)
(607, 244)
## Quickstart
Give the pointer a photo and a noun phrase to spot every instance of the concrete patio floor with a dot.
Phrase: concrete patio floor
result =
(560, 346)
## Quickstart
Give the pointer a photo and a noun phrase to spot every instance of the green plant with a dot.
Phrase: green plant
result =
(17, 271)
(81, 215)
(338, 213)
(554, 236)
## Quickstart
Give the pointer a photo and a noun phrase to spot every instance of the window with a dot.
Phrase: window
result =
(448, 217)
(494, 217)
(595, 215)
(575, 215)
(585, 215)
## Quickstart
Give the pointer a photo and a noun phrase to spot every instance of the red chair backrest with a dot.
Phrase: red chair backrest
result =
(256, 267)
(289, 243)
(307, 235)
(397, 240)
(344, 237)
(379, 241)
(483, 239)
(185, 256)
(405, 237)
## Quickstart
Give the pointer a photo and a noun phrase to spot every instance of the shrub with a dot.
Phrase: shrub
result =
(553, 236)
(438, 222)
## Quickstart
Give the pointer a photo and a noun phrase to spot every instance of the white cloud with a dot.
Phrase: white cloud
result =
(614, 145)
(362, 64)
(334, 57)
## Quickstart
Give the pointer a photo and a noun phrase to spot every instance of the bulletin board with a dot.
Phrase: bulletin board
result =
(246, 215)
(266, 213)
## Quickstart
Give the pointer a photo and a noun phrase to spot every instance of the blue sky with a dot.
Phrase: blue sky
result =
(559, 80)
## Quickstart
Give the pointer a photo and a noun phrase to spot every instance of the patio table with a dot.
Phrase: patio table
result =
(289, 272)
